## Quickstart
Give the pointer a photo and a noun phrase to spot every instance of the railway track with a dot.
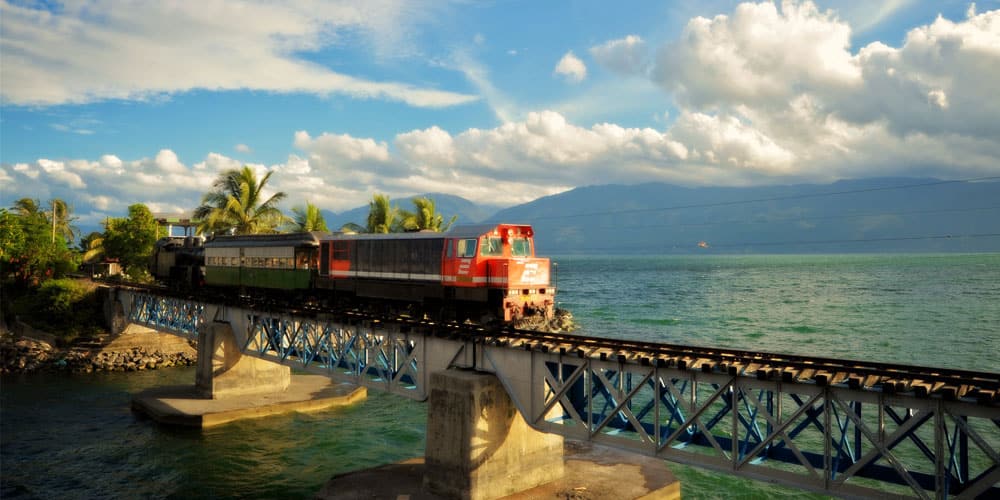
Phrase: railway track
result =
(889, 378)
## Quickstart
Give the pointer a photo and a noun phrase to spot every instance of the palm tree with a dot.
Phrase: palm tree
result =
(237, 204)
(307, 219)
(61, 220)
(26, 207)
(424, 217)
(382, 216)
(93, 247)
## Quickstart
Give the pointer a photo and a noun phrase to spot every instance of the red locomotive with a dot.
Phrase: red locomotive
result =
(474, 270)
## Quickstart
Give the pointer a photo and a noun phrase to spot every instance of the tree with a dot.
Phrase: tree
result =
(382, 216)
(424, 217)
(26, 207)
(92, 246)
(131, 239)
(307, 219)
(61, 220)
(236, 204)
(27, 252)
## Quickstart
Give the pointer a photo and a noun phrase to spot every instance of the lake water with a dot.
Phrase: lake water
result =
(75, 437)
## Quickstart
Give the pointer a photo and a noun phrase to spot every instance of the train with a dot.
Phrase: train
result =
(483, 272)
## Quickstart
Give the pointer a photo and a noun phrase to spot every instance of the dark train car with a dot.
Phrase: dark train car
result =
(481, 270)
(262, 261)
(179, 261)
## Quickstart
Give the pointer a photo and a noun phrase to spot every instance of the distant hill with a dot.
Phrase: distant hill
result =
(446, 204)
(868, 215)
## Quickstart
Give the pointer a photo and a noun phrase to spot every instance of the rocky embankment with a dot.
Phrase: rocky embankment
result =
(25, 355)
(560, 322)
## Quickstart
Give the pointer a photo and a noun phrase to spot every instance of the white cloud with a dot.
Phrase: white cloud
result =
(778, 91)
(242, 148)
(571, 67)
(432, 146)
(757, 57)
(727, 140)
(626, 55)
(343, 147)
(103, 50)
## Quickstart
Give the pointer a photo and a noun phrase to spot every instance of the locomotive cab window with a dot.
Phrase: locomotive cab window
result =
(492, 246)
(466, 248)
(520, 247)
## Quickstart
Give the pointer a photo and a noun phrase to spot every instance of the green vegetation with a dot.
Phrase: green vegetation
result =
(130, 241)
(383, 217)
(424, 217)
(236, 205)
(65, 307)
(307, 219)
(33, 244)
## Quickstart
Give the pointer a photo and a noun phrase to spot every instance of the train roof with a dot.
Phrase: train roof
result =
(462, 231)
(268, 240)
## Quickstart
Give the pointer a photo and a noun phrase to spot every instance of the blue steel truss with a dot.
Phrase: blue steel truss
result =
(179, 316)
(834, 440)
(365, 353)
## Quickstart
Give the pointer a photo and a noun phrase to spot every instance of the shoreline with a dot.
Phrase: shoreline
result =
(28, 350)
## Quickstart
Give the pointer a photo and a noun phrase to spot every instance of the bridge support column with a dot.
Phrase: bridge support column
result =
(223, 371)
(478, 445)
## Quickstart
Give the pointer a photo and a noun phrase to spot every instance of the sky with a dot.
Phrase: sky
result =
(108, 103)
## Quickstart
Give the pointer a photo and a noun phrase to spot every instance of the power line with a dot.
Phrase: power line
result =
(800, 218)
(862, 240)
(650, 244)
(761, 200)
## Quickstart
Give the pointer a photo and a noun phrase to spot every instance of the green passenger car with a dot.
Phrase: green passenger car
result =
(271, 261)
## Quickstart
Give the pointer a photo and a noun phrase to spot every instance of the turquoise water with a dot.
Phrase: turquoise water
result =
(75, 437)
(941, 310)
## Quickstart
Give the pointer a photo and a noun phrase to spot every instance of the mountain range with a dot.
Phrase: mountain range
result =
(865, 215)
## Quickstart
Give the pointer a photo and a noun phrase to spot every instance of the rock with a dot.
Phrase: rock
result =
(25, 355)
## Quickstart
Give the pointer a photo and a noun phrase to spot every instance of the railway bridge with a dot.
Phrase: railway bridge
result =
(845, 428)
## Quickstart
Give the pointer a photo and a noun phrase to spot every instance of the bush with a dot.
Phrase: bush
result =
(64, 307)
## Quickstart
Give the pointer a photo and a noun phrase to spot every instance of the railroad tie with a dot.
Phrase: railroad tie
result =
(822, 377)
(706, 365)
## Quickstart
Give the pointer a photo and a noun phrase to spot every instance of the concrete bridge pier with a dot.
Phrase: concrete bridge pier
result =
(231, 386)
(478, 445)
(223, 371)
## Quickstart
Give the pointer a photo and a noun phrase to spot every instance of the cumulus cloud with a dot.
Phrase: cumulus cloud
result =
(93, 51)
(571, 67)
(626, 55)
(778, 90)
(242, 148)
(106, 186)
(758, 56)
